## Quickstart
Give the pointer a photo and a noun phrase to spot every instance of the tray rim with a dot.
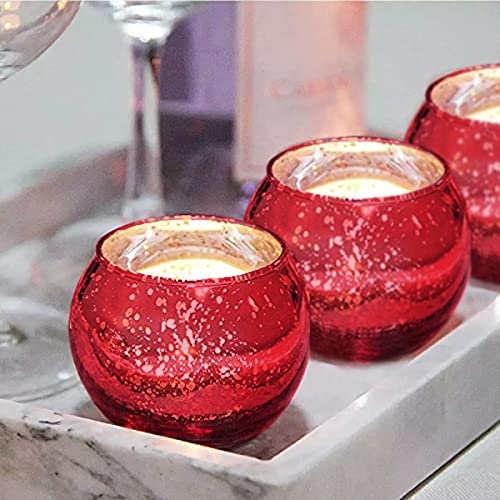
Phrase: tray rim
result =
(295, 461)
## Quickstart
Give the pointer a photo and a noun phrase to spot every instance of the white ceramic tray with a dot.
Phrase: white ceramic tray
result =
(351, 432)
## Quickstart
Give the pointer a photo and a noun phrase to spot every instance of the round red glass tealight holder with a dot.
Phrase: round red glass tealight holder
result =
(212, 360)
(445, 124)
(383, 273)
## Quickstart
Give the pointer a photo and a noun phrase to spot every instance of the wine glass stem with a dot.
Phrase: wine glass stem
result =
(143, 196)
(9, 335)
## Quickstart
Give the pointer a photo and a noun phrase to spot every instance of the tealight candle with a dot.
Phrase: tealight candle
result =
(490, 114)
(192, 327)
(193, 268)
(460, 121)
(379, 234)
(357, 188)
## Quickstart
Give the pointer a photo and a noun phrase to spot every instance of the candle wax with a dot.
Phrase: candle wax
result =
(192, 268)
(358, 188)
(491, 114)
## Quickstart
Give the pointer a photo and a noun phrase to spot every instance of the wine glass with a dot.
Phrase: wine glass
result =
(34, 355)
(146, 26)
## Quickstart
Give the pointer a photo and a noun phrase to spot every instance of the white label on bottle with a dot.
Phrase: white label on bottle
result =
(300, 77)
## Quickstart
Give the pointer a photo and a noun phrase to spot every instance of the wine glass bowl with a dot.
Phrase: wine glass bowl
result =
(27, 29)
(384, 272)
(213, 358)
(460, 120)
(34, 355)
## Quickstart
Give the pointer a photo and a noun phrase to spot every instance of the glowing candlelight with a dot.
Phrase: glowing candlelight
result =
(193, 268)
(490, 114)
(192, 249)
(357, 188)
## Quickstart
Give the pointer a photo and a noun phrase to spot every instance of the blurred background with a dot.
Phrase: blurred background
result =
(74, 100)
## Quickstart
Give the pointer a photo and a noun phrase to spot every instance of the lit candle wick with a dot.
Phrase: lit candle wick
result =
(490, 114)
(357, 188)
(192, 268)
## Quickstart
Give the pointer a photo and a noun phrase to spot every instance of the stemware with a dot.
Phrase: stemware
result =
(194, 327)
(379, 233)
(460, 120)
(146, 26)
(34, 356)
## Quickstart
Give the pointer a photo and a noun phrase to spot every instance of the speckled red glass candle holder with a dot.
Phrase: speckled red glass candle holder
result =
(454, 123)
(383, 273)
(211, 360)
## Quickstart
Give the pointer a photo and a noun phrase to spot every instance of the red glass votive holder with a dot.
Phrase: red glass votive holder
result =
(460, 120)
(191, 327)
(384, 270)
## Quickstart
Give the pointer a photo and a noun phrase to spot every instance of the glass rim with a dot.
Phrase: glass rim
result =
(462, 71)
(225, 280)
(411, 195)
